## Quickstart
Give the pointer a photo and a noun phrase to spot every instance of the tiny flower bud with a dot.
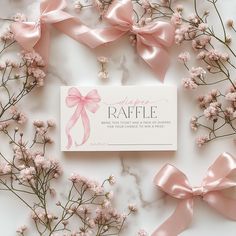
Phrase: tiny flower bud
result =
(230, 23)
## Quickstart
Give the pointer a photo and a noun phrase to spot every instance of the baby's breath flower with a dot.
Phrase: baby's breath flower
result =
(112, 180)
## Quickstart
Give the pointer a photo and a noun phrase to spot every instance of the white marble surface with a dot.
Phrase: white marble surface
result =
(73, 64)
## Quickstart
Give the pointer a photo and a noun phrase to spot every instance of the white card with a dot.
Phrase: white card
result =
(119, 118)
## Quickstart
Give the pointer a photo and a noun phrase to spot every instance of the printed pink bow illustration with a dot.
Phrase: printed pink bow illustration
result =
(36, 35)
(152, 39)
(173, 182)
(89, 102)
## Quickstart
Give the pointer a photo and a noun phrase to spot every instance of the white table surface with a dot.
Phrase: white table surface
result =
(73, 64)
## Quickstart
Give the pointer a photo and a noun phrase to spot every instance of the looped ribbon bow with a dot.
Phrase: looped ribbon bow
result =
(36, 35)
(82, 103)
(152, 39)
(173, 182)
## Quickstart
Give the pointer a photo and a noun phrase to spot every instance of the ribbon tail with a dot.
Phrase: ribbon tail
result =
(224, 205)
(43, 45)
(156, 57)
(178, 221)
(70, 125)
(86, 125)
(92, 38)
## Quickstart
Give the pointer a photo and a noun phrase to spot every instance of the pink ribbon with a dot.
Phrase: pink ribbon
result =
(89, 102)
(152, 39)
(173, 182)
(36, 35)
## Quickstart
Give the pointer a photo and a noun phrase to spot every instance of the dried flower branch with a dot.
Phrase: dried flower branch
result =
(215, 69)
(100, 5)
(103, 74)
(87, 208)
(24, 73)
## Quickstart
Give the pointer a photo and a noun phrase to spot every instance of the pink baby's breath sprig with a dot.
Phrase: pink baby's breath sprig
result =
(100, 5)
(30, 174)
(21, 230)
(18, 77)
(142, 232)
(215, 69)
(103, 74)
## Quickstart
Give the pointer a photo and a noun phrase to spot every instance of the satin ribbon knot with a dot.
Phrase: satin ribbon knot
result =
(198, 191)
(82, 103)
(152, 39)
(175, 183)
(134, 30)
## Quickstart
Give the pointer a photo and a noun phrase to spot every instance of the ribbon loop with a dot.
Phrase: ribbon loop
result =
(219, 177)
(173, 182)
(120, 13)
(89, 102)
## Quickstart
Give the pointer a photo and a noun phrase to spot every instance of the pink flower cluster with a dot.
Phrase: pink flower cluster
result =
(103, 73)
(4, 125)
(92, 185)
(202, 140)
(42, 129)
(201, 42)
(212, 110)
(195, 74)
(28, 163)
(189, 83)
(215, 55)
(102, 212)
(5, 168)
(142, 232)
(210, 97)
(194, 123)
(231, 96)
(19, 17)
(176, 18)
(184, 57)
(21, 230)
(101, 6)
(188, 31)
(35, 66)
(17, 116)
(7, 36)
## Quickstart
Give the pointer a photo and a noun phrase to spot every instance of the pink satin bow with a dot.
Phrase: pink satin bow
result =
(89, 102)
(36, 35)
(173, 182)
(152, 39)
